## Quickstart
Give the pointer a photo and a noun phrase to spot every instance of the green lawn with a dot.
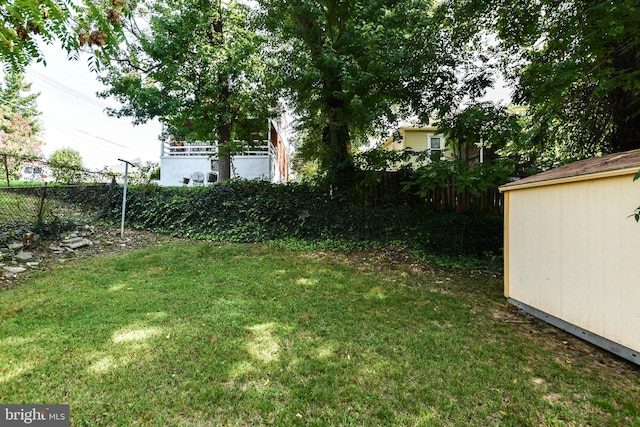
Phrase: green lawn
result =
(15, 206)
(202, 334)
(21, 207)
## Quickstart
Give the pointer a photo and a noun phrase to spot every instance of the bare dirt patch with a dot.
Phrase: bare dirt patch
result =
(105, 241)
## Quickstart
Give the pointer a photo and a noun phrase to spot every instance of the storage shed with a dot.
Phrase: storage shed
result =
(572, 250)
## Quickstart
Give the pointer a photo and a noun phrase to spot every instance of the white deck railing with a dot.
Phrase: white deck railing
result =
(260, 148)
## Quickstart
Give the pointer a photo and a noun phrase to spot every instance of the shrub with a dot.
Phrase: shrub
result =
(66, 165)
(258, 211)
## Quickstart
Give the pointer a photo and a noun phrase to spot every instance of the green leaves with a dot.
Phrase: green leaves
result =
(350, 68)
(85, 25)
(458, 175)
(66, 165)
(255, 211)
(196, 66)
(573, 63)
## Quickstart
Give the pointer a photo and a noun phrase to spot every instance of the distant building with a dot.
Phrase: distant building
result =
(196, 163)
(428, 140)
(419, 139)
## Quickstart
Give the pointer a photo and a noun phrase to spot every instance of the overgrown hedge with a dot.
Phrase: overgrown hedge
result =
(255, 211)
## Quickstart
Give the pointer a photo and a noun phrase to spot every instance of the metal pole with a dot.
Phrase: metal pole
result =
(124, 195)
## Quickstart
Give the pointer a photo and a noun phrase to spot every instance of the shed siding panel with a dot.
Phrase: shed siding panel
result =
(534, 259)
(628, 266)
(574, 251)
(614, 219)
(574, 275)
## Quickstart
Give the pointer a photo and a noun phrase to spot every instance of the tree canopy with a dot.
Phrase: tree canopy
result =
(575, 64)
(19, 124)
(66, 165)
(15, 97)
(197, 66)
(87, 24)
(349, 67)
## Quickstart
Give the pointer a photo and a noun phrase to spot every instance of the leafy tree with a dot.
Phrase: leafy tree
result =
(66, 165)
(352, 67)
(14, 99)
(197, 67)
(17, 142)
(76, 25)
(481, 124)
(19, 125)
(575, 63)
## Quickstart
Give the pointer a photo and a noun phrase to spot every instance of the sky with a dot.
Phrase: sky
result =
(74, 117)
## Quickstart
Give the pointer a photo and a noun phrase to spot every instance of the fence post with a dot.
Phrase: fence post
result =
(124, 195)
(43, 196)
(6, 169)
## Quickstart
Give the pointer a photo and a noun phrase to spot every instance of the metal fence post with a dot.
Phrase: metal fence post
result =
(43, 197)
(124, 195)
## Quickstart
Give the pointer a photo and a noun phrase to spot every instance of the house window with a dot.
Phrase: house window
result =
(436, 143)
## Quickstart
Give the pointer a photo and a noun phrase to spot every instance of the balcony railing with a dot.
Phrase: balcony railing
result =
(259, 148)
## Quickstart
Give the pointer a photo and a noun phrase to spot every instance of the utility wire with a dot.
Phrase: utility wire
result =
(65, 127)
(69, 93)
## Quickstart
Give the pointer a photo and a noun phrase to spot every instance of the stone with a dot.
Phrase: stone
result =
(24, 256)
(15, 246)
(77, 243)
(15, 270)
(33, 264)
(71, 240)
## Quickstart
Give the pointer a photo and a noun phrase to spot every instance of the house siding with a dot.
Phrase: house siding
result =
(417, 140)
(269, 162)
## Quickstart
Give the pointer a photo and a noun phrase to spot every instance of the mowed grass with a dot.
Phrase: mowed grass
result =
(13, 206)
(202, 334)
(24, 208)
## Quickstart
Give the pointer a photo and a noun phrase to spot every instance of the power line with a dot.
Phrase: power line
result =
(73, 96)
(69, 93)
(66, 127)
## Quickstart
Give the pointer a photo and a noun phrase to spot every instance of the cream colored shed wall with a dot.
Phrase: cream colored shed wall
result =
(573, 252)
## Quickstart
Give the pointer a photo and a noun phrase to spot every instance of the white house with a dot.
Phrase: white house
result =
(196, 163)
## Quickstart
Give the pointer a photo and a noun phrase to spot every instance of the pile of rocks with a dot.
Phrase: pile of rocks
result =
(15, 260)
(18, 257)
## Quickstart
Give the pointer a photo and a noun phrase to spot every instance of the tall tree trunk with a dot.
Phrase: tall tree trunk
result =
(224, 156)
(6, 169)
(625, 105)
(337, 139)
(338, 162)
(626, 117)
(622, 55)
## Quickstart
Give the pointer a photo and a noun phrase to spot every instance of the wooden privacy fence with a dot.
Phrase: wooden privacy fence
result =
(394, 188)
(450, 199)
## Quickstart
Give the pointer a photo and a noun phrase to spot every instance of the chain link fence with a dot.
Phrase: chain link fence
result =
(49, 210)
(36, 196)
